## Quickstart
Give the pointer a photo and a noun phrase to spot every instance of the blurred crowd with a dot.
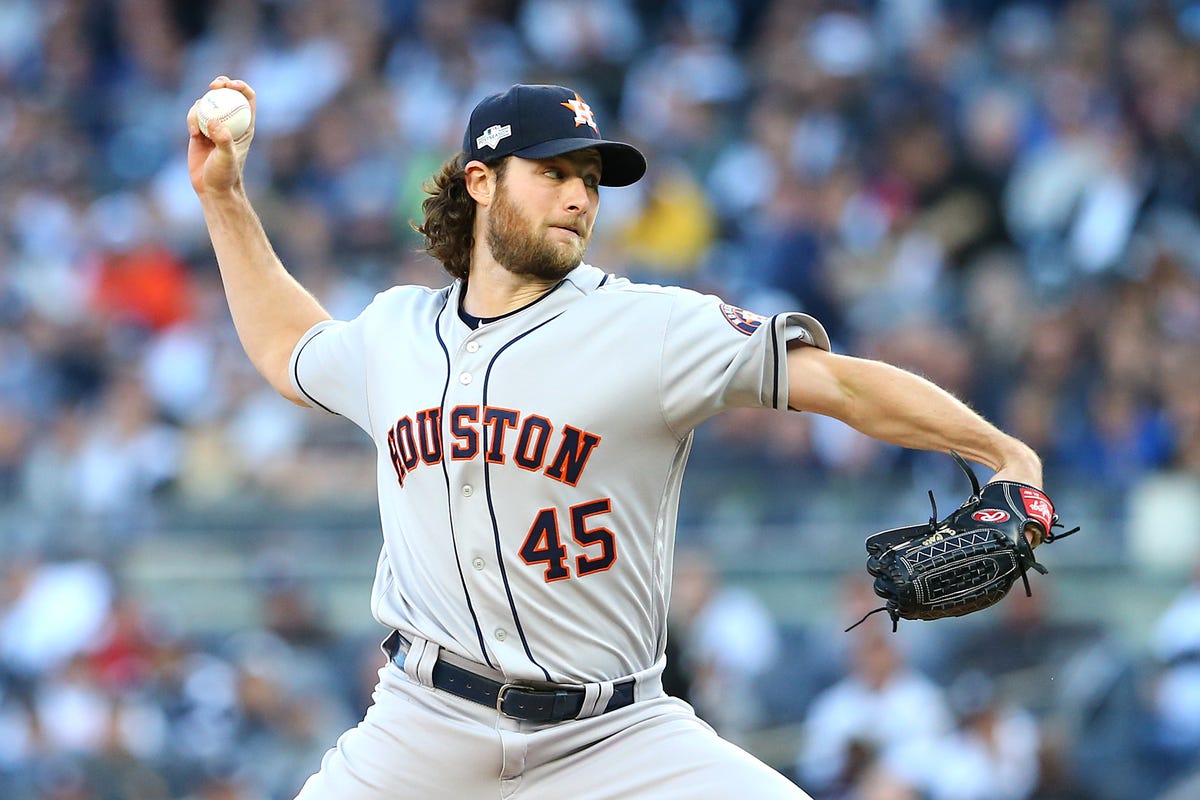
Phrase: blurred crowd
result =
(1000, 195)
(101, 698)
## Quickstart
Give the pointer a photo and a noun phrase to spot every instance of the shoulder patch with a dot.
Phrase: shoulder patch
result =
(741, 319)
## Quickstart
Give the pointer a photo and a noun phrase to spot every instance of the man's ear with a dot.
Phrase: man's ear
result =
(481, 182)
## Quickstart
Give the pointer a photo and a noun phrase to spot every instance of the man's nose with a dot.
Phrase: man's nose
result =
(575, 196)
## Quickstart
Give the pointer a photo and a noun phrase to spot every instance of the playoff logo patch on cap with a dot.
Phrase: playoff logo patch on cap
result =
(492, 136)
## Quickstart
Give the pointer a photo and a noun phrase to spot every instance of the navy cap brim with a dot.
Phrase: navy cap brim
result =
(620, 164)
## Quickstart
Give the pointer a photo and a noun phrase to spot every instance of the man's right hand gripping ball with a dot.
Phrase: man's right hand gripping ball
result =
(215, 160)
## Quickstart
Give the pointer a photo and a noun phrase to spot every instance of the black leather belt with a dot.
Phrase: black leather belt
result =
(517, 700)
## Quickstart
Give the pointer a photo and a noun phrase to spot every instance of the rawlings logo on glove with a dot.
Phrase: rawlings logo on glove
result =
(969, 560)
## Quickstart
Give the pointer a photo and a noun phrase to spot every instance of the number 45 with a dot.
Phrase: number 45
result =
(543, 544)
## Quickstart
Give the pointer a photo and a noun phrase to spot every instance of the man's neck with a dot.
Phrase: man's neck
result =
(493, 291)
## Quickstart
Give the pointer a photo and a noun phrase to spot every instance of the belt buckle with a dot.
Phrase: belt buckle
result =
(504, 690)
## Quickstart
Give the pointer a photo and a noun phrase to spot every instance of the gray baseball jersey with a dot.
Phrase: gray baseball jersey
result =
(529, 470)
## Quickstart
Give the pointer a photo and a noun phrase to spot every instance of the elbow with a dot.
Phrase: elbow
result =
(275, 368)
(295, 399)
(288, 393)
(273, 360)
(281, 382)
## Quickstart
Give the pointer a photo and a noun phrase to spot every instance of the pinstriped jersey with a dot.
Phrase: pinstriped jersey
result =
(529, 469)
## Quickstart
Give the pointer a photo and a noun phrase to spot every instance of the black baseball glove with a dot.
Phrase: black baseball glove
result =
(969, 560)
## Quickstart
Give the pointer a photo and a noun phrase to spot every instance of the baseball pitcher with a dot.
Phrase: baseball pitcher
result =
(532, 421)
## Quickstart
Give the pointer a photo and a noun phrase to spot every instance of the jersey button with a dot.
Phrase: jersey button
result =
(468, 490)
(477, 563)
(472, 347)
(501, 634)
(465, 378)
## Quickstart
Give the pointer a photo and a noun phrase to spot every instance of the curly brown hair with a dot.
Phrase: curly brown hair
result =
(449, 226)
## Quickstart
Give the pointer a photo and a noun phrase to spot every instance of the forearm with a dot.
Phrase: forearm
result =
(902, 408)
(270, 309)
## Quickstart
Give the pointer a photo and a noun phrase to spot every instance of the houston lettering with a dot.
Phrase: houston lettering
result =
(498, 434)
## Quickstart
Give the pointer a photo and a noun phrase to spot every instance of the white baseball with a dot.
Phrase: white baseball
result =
(228, 105)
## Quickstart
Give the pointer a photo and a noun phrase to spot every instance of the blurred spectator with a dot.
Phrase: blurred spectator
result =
(879, 705)
(72, 710)
(124, 459)
(1092, 735)
(196, 690)
(16, 733)
(125, 648)
(51, 613)
(992, 753)
(580, 33)
(726, 638)
(675, 228)
(138, 283)
(282, 731)
(1175, 692)
(221, 787)
(1019, 642)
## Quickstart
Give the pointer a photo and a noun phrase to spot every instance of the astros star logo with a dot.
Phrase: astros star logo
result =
(741, 319)
(583, 112)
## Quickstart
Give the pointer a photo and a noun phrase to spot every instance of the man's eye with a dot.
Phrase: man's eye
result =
(592, 182)
(554, 172)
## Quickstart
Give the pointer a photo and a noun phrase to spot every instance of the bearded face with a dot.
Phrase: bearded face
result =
(528, 248)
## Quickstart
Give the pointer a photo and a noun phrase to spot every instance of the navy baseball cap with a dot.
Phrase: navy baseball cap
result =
(532, 121)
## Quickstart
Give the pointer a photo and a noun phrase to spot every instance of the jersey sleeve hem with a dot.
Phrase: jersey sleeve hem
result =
(293, 365)
(788, 330)
(800, 328)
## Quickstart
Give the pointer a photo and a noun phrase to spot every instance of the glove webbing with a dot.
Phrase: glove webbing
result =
(893, 613)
